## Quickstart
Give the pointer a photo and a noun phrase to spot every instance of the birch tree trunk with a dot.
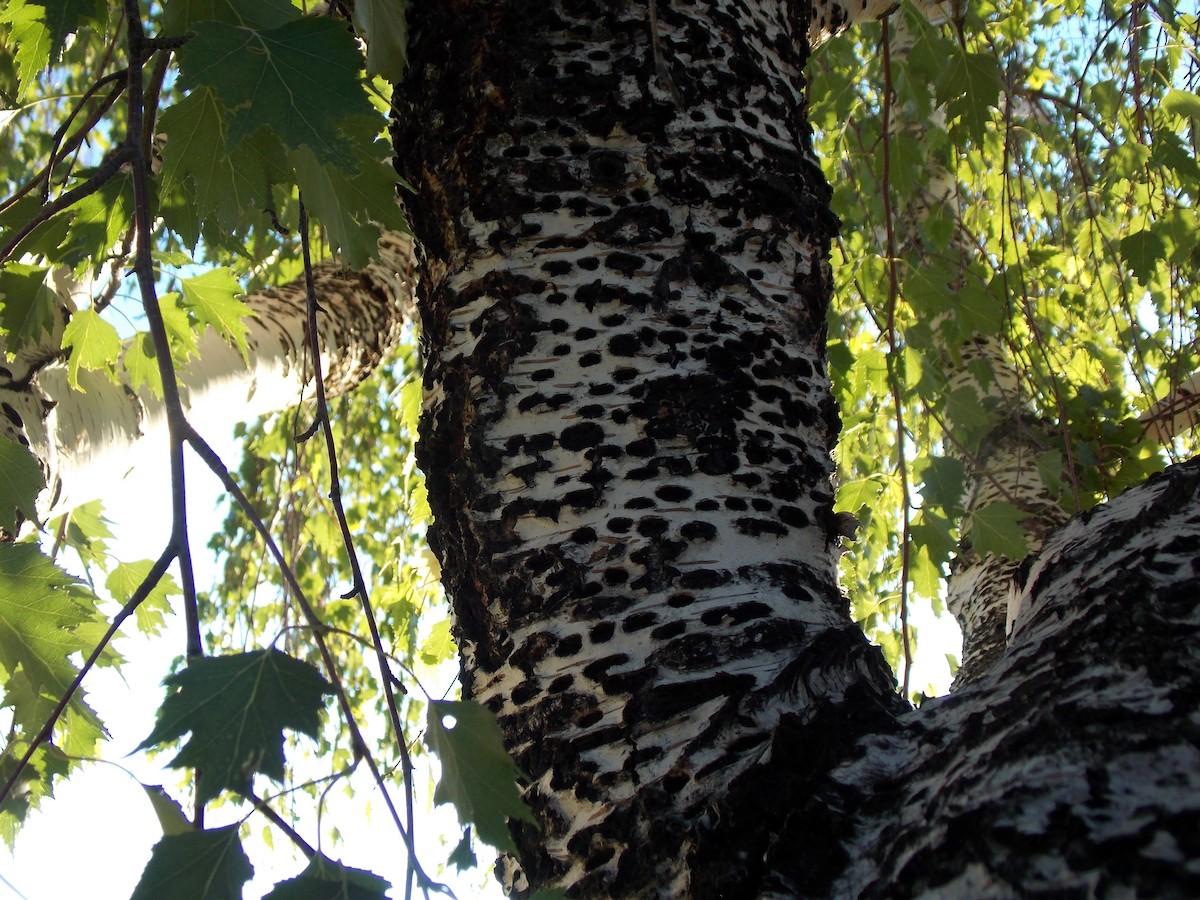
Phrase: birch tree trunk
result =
(628, 418)
(86, 440)
(626, 438)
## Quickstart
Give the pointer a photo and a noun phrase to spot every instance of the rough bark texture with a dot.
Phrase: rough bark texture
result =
(627, 439)
(87, 440)
(1072, 767)
(629, 421)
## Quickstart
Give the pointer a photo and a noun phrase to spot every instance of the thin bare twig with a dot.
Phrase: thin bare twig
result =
(335, 496)
(894, 360)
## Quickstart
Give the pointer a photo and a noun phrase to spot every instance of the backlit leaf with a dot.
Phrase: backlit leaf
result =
(124, 580)
(213, 298)
(94, 344)
(478, 775)
(196, 865)
(42, 612)
(236, 708)
(20, 483)
(141, 364)
(439, 646)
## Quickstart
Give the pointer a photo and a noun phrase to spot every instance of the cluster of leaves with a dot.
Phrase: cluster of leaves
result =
(252, 116)
(1059, 141)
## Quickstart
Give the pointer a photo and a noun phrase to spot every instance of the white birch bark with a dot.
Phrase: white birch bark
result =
(87, 440)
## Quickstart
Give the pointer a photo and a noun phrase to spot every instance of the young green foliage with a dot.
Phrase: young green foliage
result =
(93, 342)
(38, 31)
(236, 708)
(212, 299)
(45, 618)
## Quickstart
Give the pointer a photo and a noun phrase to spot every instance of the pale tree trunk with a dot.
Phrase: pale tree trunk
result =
(629, 418)
(86, 440)
(1003, 467)
(627, 437)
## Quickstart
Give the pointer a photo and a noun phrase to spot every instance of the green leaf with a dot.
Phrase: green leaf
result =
(301, 80)
(1182, 103)
(195, 149)
(997, 529)
(99, 221)
(1050, 469)
(478, 775)
(94, 344)
(977, 310)
(384, 27)
(943, 481)
(179, 16)
(39, 30)
(236, 708)
(325, 879)
(197, 865)
(410, 404)
(1143, 251)
(351, 207)
(463, 857)
(167, 810)
(42, 613)
(213, 298)
(419, 509)
(854, 495)
(31, 37)
(968, 87)
(20, 483)
(180, 333)
(141, 364)
(45, 239)
(26, 304)
(439, 646)
(85, 530)
(932, 533)
(36, 781)
(926, 576)
(126, 578)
